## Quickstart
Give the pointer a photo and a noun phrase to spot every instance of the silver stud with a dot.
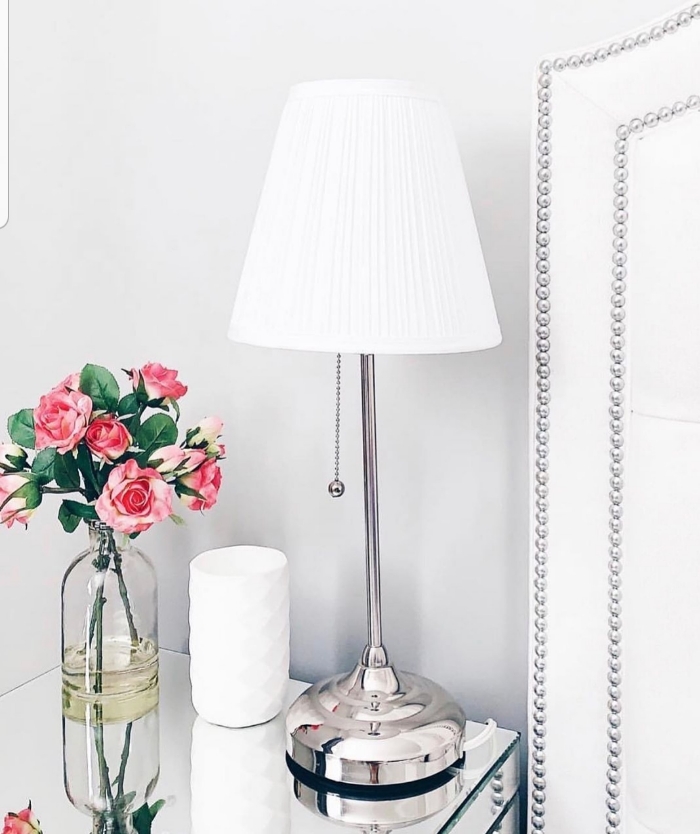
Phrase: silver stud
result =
(679, 108)
(615, 49)
(629, 44)
(684, 19)
(693, 102)
(657, 33)
(651, 120)
(671, 26)
(695, 11)
(574, 62)
(559, 64)
(643, 39)
(602, 54)
(588, 59)
(636, 125)
(546, 66)
(665, 114)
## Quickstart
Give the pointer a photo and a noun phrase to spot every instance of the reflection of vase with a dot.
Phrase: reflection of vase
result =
(111, 768)
(109, 631)
(239, 778)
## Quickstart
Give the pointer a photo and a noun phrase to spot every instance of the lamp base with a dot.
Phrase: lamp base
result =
(375, 726)
(368, 808)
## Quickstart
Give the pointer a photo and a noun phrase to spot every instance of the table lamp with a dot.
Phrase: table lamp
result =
(365, 242)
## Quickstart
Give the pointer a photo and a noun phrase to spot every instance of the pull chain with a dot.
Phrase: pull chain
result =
(336, 487)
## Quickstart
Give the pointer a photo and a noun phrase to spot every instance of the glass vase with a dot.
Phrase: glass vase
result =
(110, 679)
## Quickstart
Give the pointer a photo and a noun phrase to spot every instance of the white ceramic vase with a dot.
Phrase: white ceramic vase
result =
(239, 634)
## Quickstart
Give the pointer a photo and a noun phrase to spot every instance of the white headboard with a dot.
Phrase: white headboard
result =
(616, 654)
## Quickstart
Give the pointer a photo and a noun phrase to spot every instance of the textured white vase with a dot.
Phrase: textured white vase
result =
(239, 634)
(239, 779)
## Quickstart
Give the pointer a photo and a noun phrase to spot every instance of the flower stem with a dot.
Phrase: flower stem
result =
(62, 490)
(124, 760)
(124, 594)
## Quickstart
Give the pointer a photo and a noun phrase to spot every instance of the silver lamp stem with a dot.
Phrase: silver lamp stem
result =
(374, 655)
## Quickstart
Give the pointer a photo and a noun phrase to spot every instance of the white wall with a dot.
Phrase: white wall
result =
(140, 134)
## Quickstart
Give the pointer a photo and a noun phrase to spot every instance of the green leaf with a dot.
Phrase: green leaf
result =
(181, 489)
(69, 521)
(66, 472)
(141, 394)
(21, 428)
(133, 424)
(158, 431)
(179, 520)
(144, 816)
(128, 405)
(15, 462)
(43, 465)
(176, 409)
(86, 511)
(84, 461)
(101, 386)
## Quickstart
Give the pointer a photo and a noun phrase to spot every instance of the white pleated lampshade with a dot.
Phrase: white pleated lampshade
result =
(365, 240)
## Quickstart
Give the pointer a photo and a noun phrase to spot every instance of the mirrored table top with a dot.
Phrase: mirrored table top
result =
(231, 781)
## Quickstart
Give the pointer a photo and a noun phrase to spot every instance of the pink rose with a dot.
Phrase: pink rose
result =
(134, 498)
(167, 459)
(14, 509)
(61, 419)
(71, 382)
(206, 481)
(207, 431)
(159, 382)
(23, 823)
(107, 438)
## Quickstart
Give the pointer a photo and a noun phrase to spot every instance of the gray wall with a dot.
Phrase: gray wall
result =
(140, 135)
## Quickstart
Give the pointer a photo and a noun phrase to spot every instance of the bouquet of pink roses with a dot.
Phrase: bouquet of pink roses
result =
(92, 442)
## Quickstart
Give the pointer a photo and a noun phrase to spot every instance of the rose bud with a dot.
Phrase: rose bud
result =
(23, 823)
(12, 457)
(21, 507)
(206, 431)
(167, 459)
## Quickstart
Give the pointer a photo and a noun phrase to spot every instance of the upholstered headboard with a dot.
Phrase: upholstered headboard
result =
(615, 389)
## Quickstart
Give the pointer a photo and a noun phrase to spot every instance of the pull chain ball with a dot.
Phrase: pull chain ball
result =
(336, 488)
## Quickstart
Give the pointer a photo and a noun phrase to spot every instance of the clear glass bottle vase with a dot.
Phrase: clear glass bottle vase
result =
(110, 679)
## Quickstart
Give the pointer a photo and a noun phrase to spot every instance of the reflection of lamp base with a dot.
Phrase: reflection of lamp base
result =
(375, 727)
(379, 810)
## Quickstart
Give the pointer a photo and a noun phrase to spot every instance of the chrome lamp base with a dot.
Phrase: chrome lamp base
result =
(377, 727)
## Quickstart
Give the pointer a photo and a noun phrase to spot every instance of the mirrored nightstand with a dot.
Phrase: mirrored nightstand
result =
(234, 780)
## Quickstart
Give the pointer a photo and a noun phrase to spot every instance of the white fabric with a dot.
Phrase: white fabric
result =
(365, 241)
(661, 576)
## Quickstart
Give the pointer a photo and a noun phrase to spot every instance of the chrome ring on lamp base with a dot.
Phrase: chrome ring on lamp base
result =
(375, 726)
